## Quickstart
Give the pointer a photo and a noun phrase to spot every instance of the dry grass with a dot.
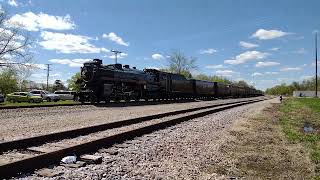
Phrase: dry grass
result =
(258, 149)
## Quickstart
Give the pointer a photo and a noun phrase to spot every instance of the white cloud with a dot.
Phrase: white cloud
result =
(247, 45)
(275, 49)
(113, 37)
(42, 77)
(300, 51)
(267, 63)
(256, 74)
(271, 73)
(208, 51)
(314, 64)
(1, 9)
(225, 72)
(268, 34)
(68, 43)
(119, 56)
(247, 56)
(70, 62)
(12, 3)
(220, 66)
(36, 22)
(307, 77)
(104, 50)
(157, 56)
(291, 69)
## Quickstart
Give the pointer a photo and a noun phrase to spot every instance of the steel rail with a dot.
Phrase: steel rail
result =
(41, 139)
(30, 164)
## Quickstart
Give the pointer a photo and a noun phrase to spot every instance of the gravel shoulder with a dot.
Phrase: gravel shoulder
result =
(186, 151)
(21, 123)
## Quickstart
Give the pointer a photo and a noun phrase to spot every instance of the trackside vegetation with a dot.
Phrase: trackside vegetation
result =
(6, 103)
(287, 89)
(300, 121)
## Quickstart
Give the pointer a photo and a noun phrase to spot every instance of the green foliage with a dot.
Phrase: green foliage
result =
(284, 89)
(212, 78)
(8, 81)
(6, 103)
(242, 83)
(58, 85)
(72, 83)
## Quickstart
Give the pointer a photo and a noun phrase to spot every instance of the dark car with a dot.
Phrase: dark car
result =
(1, 98)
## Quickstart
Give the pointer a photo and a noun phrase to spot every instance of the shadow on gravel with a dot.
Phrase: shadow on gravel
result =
(144, 103)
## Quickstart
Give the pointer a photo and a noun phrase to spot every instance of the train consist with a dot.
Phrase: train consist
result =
(116, 82)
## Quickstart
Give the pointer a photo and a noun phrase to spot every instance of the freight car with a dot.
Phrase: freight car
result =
(100, 82)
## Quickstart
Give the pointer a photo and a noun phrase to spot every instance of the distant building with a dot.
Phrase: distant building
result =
(305, 93)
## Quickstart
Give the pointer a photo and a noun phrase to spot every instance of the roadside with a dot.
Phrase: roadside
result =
(273, 145)
(27, 104)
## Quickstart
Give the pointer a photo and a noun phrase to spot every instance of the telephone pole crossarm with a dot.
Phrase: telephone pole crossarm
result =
(116, 52)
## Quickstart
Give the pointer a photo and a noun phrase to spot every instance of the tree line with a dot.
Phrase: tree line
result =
(287, 89)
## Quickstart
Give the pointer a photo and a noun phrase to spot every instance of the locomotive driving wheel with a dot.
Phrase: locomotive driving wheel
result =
(127, 98)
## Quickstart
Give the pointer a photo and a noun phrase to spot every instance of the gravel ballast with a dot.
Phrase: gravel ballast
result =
(27, 122)
(179, 152)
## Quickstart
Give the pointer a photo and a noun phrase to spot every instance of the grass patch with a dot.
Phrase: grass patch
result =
(7, 104)
(298, 113)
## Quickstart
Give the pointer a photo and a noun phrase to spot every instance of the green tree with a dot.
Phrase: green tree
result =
(72, 83)
(305, 85)
(58, 85)
(212, 78)
(242, 83)
(8, 81)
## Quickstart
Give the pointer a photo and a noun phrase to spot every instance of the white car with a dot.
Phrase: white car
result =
(65, 95)
(46, 95)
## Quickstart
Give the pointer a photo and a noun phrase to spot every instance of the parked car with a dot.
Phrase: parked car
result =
(1, 98)
(23, 97)
(46, 95)
(66, 95)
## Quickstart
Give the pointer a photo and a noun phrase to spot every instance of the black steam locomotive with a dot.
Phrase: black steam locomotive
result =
(116, 82)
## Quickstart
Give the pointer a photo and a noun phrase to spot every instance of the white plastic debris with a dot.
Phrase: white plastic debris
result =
(69, 159)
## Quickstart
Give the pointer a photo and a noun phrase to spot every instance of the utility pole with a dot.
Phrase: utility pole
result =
(116, 54)
(48, 74)
(316, 63)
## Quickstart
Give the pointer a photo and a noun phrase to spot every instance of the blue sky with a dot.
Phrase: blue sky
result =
(262, 42)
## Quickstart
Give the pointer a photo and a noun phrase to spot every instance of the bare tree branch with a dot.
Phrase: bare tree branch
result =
(14, 42)
(180, 64)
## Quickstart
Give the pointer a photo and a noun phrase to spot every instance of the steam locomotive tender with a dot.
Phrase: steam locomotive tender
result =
(116, 82)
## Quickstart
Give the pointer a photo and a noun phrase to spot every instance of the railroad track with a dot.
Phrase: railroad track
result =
(41, 151)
